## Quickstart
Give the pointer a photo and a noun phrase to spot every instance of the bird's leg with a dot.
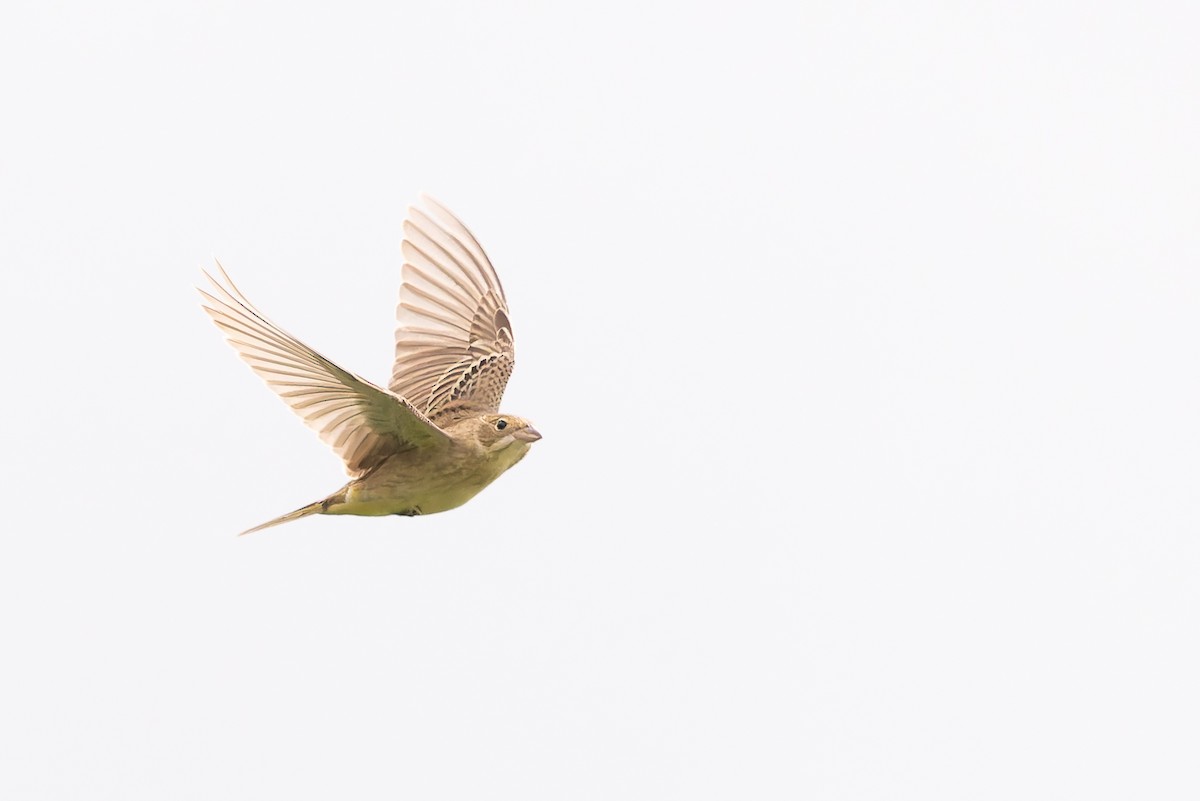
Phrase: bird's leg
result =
(413, 512)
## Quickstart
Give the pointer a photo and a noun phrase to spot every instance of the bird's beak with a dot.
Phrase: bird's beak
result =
(527, 434)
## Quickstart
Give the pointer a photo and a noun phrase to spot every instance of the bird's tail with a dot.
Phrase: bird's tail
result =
(304, 511)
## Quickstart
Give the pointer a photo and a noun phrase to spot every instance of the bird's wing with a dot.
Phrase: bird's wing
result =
(454, 342)
(361, 422)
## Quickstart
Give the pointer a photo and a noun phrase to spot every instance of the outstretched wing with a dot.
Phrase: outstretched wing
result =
(454, 342)
(361, 422)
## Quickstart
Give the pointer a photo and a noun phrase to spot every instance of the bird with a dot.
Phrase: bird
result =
(435, 437)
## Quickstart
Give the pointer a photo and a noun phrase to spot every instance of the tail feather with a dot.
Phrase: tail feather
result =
(304, 511)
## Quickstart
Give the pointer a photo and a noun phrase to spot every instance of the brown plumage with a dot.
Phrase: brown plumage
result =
(436, 437)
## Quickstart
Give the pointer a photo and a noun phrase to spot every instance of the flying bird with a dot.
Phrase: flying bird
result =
(435, 437)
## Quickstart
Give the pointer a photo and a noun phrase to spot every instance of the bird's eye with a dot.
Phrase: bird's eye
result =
(501, 425)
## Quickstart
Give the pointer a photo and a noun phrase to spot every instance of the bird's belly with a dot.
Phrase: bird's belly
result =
(384, 494)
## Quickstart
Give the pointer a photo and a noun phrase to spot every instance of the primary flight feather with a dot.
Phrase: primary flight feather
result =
(435, 437)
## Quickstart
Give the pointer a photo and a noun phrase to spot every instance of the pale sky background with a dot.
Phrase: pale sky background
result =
(864, 339)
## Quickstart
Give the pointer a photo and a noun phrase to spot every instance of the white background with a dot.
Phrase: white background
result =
(863, 339)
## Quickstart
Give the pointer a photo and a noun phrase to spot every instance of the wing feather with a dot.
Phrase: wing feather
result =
(363, 423)
(454, 343)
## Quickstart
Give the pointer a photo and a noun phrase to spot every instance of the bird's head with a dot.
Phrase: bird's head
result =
(499, 433)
